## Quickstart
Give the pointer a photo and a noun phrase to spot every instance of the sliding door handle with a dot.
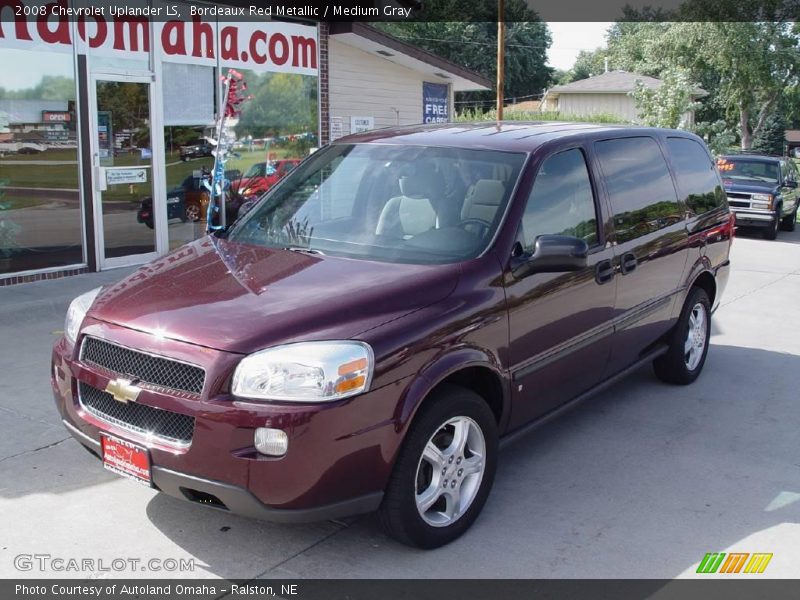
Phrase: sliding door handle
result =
(628, 263)
(604, 272)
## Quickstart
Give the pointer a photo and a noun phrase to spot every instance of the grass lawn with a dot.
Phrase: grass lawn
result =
(65, 176)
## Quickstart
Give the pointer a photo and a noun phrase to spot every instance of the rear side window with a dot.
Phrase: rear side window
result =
(561, 201)
(697, 178)
(642, 195)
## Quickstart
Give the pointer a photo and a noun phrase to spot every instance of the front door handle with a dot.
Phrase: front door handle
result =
(628, 263)
(604, 272)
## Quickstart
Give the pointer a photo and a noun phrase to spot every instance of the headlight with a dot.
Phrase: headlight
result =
(765, 199)
(76, 312)
(305, 372)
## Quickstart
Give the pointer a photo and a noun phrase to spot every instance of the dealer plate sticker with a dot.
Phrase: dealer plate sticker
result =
(126, 459)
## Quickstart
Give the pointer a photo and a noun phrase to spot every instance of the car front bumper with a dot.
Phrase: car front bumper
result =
(339, 458)
(749, 218)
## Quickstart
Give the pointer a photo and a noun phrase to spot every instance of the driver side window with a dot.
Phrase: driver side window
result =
(561, 201)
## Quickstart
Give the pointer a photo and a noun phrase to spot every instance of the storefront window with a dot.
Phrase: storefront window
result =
(277, 128)
(40, 206)
(189, 108)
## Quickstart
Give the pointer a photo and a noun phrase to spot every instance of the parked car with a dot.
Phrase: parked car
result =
(367, 333)
(198, 149)
(189, 201)
(762, 191)
(261, 176)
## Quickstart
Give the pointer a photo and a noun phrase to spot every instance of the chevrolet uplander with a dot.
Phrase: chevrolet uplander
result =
(368, 333)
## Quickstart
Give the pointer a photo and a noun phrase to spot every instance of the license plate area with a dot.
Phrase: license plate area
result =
(126, 459)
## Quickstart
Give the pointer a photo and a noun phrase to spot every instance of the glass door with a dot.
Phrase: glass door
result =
(125, 203)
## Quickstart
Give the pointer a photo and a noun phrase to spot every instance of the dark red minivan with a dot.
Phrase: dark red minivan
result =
(406, 299)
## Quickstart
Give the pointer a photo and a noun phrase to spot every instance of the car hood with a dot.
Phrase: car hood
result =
(242, 298)
(750, 187)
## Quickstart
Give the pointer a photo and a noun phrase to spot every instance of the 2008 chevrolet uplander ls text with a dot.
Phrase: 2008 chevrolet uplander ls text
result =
(365, 335)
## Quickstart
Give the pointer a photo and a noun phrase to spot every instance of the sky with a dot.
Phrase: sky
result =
(571, 38)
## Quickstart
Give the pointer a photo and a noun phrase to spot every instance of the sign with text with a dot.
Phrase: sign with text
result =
(434, 103)
(127, 175)
(359, 124)
(55, 116)
(337, 129)
(103, 28)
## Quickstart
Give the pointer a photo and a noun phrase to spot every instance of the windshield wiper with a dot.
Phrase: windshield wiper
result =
(304, 250)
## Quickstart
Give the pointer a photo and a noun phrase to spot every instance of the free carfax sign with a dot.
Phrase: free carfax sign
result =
(434, 103)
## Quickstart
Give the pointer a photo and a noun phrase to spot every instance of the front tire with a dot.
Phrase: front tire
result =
(789, 222)
(444, 471)
(688, 342)
(771, 232)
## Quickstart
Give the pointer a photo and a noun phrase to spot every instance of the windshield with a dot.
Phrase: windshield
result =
(737, 168)
(411, 204)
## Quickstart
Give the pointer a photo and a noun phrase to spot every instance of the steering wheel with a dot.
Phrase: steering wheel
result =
(484, 225)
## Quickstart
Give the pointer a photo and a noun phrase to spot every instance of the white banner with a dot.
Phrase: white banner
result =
(99, 29)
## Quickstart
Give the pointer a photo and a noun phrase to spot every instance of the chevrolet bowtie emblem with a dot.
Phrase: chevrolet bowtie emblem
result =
(123, 390)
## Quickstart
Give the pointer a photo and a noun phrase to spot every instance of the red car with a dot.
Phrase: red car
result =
(262, 176)
(364, 337)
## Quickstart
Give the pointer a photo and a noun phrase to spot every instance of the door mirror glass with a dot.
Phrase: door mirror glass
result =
(553, 254)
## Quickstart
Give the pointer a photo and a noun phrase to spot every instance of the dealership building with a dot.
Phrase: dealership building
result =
(102, 116)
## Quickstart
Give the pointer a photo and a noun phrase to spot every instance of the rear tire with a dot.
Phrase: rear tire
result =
(444, 471)
(688, 342)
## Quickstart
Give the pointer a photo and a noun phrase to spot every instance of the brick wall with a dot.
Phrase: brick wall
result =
(324, 106)
(15, 279)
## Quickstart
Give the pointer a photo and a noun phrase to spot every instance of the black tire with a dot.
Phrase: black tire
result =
(673, 366)
(398, 513)
(771, 232)
(789, 223)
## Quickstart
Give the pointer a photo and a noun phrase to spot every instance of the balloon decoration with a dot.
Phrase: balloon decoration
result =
(234, 93)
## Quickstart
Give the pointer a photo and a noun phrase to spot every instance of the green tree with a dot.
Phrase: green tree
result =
(747, 66)
(589, 63)
(472, 44)
(129, 107)
(282, 104)
(50, 87)
(667, 105)
(770, 139)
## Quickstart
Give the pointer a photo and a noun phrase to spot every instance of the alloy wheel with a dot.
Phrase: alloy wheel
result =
(193, 213)
(696, 336)
(450, 471)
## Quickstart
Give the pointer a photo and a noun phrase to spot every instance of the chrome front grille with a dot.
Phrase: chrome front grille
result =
(171, 427)
(738, 204)
(141, 366)
(738, 195)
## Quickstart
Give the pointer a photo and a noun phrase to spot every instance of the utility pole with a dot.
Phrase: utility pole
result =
(501, 56)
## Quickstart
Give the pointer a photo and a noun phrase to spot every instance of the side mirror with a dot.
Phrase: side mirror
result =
(552, 254)
(790, 184)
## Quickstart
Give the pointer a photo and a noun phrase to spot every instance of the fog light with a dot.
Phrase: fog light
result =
(272, 442)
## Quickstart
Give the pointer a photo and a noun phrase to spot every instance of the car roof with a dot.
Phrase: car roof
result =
(510, 136)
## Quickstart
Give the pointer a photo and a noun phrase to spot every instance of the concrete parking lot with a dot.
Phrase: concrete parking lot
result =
(641, 481)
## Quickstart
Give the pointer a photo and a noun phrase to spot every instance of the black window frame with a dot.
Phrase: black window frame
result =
(588, 160)
(660, 145)
(676, 175)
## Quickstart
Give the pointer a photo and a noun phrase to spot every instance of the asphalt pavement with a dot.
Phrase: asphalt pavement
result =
(640, 482)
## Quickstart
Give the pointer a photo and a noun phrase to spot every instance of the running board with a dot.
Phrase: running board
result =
(523, 431)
